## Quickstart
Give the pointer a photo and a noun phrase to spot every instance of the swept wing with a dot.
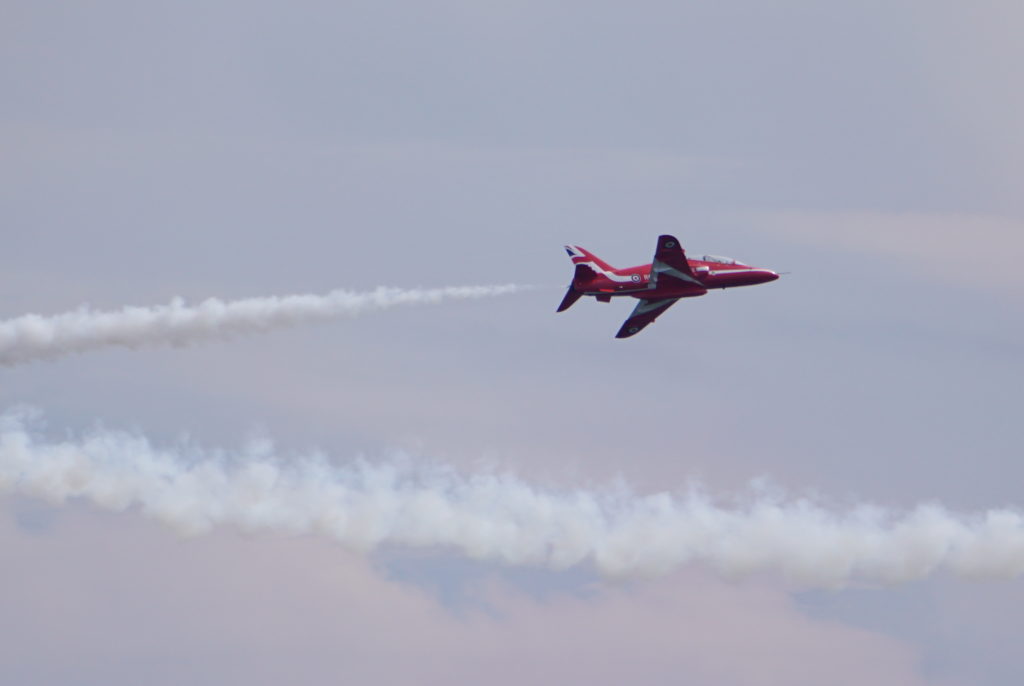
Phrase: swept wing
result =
(645, 312)
(670, 267)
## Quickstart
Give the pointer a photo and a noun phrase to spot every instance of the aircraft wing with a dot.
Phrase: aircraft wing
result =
(670, 264)
(645, 312)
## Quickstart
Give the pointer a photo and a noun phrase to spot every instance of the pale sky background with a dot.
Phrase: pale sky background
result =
(231, 149)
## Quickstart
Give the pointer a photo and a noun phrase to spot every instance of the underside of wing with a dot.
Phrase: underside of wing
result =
(645, 312)
(670, 266)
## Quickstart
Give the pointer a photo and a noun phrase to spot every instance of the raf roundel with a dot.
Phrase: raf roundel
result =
(670, 244)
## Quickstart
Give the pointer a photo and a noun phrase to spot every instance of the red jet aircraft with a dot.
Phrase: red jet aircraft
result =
(657, 285)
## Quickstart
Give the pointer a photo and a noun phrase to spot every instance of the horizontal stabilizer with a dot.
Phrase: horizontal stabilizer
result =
(571, 296)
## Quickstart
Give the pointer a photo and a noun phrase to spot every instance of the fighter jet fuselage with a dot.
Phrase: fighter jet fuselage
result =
(657, 285)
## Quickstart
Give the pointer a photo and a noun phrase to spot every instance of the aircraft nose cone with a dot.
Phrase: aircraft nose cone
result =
(770, 275)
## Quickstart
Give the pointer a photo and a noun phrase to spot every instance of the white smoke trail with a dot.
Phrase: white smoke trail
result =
(500, 517)
(35, 337)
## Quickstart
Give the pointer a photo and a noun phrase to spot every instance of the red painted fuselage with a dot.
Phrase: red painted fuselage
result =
(636, 281)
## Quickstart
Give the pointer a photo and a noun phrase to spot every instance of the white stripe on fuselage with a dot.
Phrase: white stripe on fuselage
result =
(740, 271)
(611, 276)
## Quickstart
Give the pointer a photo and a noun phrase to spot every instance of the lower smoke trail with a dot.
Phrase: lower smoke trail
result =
(35, 337)
(500, 517)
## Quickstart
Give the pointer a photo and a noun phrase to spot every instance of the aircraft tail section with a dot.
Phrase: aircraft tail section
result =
(583, 256)
(588, 267)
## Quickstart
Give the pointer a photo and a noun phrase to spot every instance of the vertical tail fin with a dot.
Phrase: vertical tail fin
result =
(583, 256)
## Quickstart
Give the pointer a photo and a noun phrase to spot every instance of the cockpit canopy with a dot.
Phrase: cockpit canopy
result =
(718, 259)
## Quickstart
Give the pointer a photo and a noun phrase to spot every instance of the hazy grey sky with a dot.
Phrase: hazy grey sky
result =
(238, 149)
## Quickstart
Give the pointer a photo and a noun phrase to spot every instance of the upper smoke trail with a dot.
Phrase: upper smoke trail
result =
(35, 337)
(500, 517)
